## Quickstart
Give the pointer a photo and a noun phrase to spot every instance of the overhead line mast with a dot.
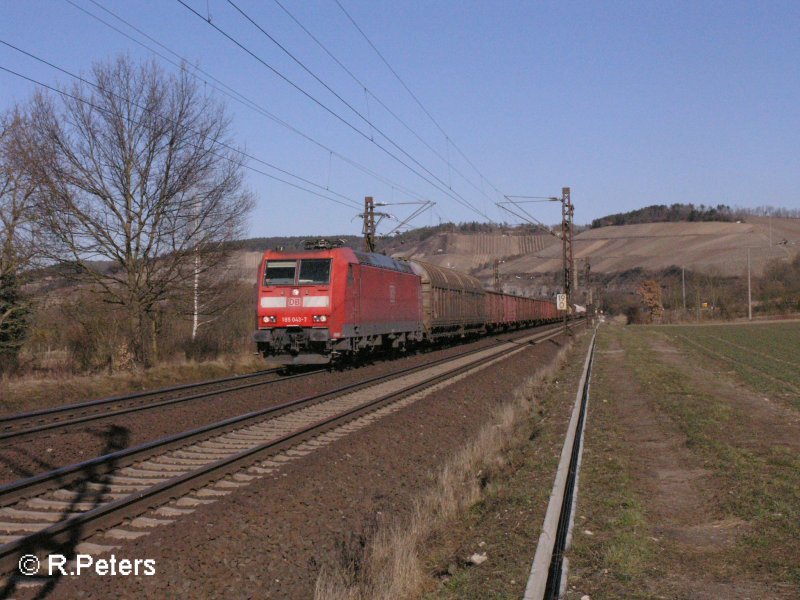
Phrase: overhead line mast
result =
(570, 281)
(570, 275)
(370, 225)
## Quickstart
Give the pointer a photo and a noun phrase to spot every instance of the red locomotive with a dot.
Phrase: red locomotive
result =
(328, 302)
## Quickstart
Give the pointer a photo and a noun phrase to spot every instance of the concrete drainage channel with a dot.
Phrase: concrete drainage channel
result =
(130, 498)
(548, 577)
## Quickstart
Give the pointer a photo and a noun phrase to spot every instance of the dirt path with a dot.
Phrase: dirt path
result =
(657, 512)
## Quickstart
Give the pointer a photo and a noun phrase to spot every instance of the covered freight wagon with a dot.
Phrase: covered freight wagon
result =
(452, 302)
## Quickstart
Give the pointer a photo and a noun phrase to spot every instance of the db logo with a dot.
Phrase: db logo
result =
(295, 302)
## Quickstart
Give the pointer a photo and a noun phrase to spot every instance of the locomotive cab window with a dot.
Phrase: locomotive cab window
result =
(280, 272)
(315, 270)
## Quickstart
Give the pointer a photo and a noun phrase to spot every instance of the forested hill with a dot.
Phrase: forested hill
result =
(661, 213)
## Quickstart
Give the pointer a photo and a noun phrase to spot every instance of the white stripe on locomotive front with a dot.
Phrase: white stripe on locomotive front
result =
(273, 302)
(316, 301)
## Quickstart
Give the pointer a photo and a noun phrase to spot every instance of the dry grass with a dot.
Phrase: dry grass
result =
(389, 566)
(31, 392)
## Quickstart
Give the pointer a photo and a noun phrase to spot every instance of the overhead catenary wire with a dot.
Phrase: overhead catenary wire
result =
(366, 119)
(369, 93)
(350, 203)
(220, 143)
(534, 198)
(414, 96)
(426, 206)
(232, 93)
(527, 217)
(135, 122)
(442, 188)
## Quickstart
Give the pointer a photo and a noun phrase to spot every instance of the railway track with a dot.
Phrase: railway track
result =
(548, 576)
(16, 427)
(169, 476)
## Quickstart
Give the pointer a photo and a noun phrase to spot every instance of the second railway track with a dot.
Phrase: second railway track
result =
(22, 425)
(71, 503)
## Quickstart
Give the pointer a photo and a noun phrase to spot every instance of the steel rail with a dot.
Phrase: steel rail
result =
(101, 401)
(138, 400)
(19, 426)
(18, 490)
(109, 514)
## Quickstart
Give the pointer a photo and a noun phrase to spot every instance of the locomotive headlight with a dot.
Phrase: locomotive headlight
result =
(270, 319)
(319, 318)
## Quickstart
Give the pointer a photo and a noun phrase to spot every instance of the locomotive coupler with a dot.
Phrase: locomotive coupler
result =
(296, 339)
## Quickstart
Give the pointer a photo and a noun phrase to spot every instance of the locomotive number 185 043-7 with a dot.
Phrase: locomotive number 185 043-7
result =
(294, 319)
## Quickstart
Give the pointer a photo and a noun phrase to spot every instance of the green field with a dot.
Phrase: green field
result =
(765, 356)
(690, 482)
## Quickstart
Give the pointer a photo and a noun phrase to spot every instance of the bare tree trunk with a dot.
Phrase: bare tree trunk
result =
(196, 297)
(153, 340)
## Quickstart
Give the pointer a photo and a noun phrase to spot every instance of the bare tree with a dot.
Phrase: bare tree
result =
(17, 247)
(137, 171)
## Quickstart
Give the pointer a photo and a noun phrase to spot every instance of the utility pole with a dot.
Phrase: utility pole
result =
(497, 285)
(567, 212)
(749, 294)
(587, 292)
(683, 283)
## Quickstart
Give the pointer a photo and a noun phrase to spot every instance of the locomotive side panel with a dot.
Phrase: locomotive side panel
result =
(315, 305)
(384, 302)
(318, 304)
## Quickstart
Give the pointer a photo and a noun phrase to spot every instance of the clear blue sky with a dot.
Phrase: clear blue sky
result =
(628, 103)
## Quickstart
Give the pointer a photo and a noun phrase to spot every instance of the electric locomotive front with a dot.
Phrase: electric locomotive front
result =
(297, 304)
(328, 302)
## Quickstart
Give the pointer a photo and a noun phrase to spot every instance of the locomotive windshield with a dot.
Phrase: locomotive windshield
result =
(312, 271)
(315, 270)
(280, 272)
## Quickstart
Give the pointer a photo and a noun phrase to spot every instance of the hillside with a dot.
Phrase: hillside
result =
(473, 252)
(529, 260)
(711, 247)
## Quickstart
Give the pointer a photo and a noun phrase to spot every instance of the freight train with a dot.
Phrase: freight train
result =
(328, 303)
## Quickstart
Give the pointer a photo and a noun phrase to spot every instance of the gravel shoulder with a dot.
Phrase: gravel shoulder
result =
(504, 525)
(270, 538)
(82, 442)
